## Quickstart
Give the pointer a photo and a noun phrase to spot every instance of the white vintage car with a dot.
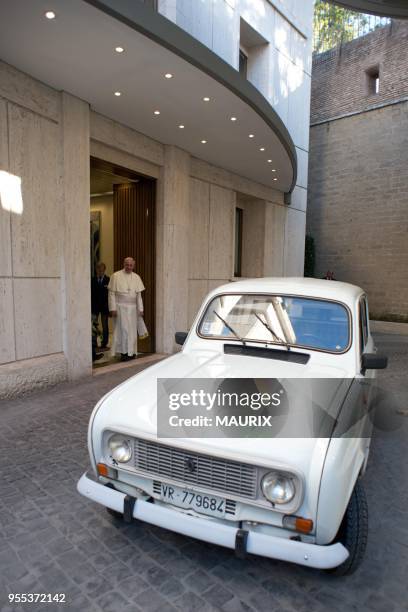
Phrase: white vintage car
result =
(295, 496)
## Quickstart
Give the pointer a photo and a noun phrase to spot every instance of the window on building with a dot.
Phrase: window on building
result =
(253, 56)
(239, 216)
(243, 63)
(373, 78)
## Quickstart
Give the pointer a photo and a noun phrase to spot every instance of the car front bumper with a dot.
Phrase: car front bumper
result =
(302, 553)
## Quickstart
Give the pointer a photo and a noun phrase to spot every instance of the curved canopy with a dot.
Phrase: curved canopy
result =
(75, 52)
(387, 8)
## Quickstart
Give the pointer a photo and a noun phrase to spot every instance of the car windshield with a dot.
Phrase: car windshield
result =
(278, 319)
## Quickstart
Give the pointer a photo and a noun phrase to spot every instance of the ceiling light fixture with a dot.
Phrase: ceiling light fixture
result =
(269, 161)
(157, 112)
(206, 99)
(273, 170)
(262, 149)
(251, 135)
(233, 118)
(275, 179)
(50, 15)
(118, 93)
(168, 75)
(203, 142)
(181, 127)
(119, 49)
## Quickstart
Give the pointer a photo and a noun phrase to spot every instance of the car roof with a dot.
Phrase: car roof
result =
(310, 287)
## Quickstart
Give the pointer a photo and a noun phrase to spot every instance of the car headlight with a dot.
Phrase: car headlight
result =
(119, 448)
(278, 488)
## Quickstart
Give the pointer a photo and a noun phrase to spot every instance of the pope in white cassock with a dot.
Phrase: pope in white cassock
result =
(126, 307)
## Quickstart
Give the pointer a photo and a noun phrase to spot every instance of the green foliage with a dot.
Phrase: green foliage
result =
(309, 256)
(334, 25)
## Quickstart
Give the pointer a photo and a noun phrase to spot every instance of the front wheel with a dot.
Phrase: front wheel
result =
(353, 532)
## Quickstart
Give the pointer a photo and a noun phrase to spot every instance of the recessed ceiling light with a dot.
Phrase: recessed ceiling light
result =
(50, 15)
(251, 135)
(269, 161)
(118, 93)
(206, 99)
(233, 118)
(274, 170)
(168, 75)
(262, 149)
(181, 127)
(275, 179)
(157, 112)
(119, 49)
(203, 142)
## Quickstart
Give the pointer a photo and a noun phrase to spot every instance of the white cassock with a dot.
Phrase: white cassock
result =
(125, 297)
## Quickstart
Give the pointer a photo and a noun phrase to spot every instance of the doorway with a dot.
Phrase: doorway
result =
(122, 224)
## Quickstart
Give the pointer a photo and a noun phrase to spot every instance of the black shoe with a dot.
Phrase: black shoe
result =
(97, 356)
(124, 357)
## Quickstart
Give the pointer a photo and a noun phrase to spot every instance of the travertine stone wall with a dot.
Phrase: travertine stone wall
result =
(45, 329)
(31, 230)
(46, 138)
(76, 294)
(172, 253)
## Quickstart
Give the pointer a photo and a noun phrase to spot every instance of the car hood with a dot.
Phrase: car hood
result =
(131, 407)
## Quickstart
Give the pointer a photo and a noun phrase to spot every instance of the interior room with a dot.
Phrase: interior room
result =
(121, 225)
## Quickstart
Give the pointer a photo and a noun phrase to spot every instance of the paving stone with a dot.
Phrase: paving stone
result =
(217, 595)
(112, 601)
(172, 588)
(199, 581)
(152, 600)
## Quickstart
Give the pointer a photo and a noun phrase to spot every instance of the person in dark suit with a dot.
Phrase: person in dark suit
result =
(99, 299)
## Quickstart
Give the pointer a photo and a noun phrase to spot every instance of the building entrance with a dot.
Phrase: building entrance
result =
(122, 224)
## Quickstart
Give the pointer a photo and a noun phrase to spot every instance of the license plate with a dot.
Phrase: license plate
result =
(200, 502)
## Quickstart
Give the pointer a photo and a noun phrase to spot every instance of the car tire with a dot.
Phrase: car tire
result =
(353, 532)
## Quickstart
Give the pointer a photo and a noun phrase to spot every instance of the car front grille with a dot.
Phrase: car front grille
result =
(188, 467)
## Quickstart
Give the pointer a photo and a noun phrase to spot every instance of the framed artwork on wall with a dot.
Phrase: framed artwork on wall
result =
(95, 235)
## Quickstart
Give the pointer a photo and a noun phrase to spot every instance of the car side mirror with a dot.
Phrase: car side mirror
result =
(372, 361)
(180, 337)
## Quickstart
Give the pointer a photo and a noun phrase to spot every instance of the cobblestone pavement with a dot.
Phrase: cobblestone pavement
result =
(53, 540)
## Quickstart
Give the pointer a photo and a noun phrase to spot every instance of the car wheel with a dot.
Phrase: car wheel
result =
(353, 532)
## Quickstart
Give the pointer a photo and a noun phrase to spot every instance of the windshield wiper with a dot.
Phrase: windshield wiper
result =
(230, 328)
(273, 334)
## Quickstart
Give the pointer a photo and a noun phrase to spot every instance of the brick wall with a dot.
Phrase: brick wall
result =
(340, 83)
(358, 171)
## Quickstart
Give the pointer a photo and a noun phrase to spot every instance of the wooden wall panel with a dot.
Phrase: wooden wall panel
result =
(134, 236)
